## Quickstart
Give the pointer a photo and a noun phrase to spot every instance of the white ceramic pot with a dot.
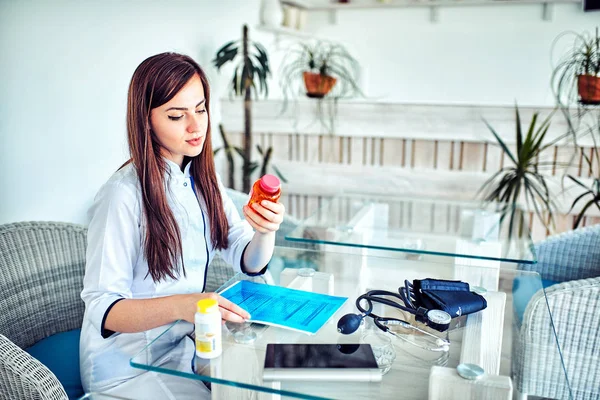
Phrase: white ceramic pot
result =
(271, 13)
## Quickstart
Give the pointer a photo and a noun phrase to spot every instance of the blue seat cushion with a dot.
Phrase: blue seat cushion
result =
(60, 354)
(524, 287)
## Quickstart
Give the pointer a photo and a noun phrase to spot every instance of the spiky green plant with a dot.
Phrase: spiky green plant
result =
(253, 64)
(245, 75)
(523, 177)
(594, 189)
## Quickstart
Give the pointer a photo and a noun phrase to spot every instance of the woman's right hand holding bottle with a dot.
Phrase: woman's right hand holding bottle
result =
(187, 306)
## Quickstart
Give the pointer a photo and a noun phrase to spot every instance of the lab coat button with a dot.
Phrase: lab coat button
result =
(184, 183)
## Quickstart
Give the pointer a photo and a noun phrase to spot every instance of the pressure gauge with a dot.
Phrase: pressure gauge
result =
(438, 320)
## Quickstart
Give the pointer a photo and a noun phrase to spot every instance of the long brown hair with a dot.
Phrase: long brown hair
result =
(156, 81)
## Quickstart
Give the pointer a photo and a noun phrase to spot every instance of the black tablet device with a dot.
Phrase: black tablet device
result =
(329, 362)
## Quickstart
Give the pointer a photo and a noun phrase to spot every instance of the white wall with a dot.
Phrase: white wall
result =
(65, 67)
(64, 75)
(487, 54)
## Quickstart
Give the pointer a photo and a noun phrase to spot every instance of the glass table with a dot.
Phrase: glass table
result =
(467, 230)
(493, 339)
(101, 396)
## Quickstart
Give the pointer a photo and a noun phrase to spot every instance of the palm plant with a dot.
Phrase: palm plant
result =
(252, 64)
(523, 176)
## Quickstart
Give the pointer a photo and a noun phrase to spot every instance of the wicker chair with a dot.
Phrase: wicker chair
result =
(572, 260)
(41, 278)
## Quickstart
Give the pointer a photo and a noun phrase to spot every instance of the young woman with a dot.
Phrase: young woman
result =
(155, 226)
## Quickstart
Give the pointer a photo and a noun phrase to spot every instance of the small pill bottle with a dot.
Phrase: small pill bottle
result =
(266, 188)
(208, 329)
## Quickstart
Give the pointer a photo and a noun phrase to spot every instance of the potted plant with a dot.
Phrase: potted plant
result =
(577, 75)
(318, 67)
(321, 70)
(523, 177)
(249, 75)
(591, 194)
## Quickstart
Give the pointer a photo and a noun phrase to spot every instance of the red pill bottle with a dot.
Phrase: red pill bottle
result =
(266, 188)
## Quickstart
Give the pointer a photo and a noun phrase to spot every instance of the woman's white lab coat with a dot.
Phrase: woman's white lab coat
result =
(116, 269)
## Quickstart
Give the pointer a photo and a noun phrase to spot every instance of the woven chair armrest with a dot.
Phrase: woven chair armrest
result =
(575, 319)
(24, 377)
(574, 308)
(568, 256)
(573, 305)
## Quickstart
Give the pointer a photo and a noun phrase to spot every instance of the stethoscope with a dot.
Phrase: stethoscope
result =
(436, 319)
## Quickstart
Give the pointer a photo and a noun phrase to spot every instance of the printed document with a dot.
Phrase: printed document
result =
(288, 308)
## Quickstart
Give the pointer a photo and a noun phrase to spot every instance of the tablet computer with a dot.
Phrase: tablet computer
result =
(320, 362)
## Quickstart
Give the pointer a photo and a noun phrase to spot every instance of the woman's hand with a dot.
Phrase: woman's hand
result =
(264, 217)
(187, 306)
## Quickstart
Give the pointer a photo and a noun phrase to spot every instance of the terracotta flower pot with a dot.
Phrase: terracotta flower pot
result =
(318, 85)
(589, 89)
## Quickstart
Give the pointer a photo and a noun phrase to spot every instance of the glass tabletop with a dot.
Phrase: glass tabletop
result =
(420, 226)
(102, 396)
(496, 338)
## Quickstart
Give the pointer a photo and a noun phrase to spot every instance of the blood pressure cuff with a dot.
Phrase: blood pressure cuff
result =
(453, 297)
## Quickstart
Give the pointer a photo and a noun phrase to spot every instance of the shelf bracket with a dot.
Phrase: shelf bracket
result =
(547, 11)
(434, 14)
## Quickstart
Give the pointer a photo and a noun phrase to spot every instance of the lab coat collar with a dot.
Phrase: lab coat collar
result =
(175, 171)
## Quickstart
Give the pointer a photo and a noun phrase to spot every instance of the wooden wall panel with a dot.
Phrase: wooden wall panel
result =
(456, 155)
(372, 150)
(443, 160)
(473, 157)
(423, 154)
(393, 152)
(311, 150)
(280, 147)
(419, 154)
(567, 160)
(356, 150)
(494, 157)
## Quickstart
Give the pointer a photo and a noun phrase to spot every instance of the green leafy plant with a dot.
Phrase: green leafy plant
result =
(231, 151)
(593, 191)
(591, 194)
(323, 58)
(576, 84)
(523, 176)
(252, 64)
(319, 69)
(581, 62)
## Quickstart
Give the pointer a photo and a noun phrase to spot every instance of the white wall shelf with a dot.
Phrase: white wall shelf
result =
(285, 31)
(434, 5)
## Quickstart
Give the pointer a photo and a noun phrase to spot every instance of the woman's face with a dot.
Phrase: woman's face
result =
(180, 125)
